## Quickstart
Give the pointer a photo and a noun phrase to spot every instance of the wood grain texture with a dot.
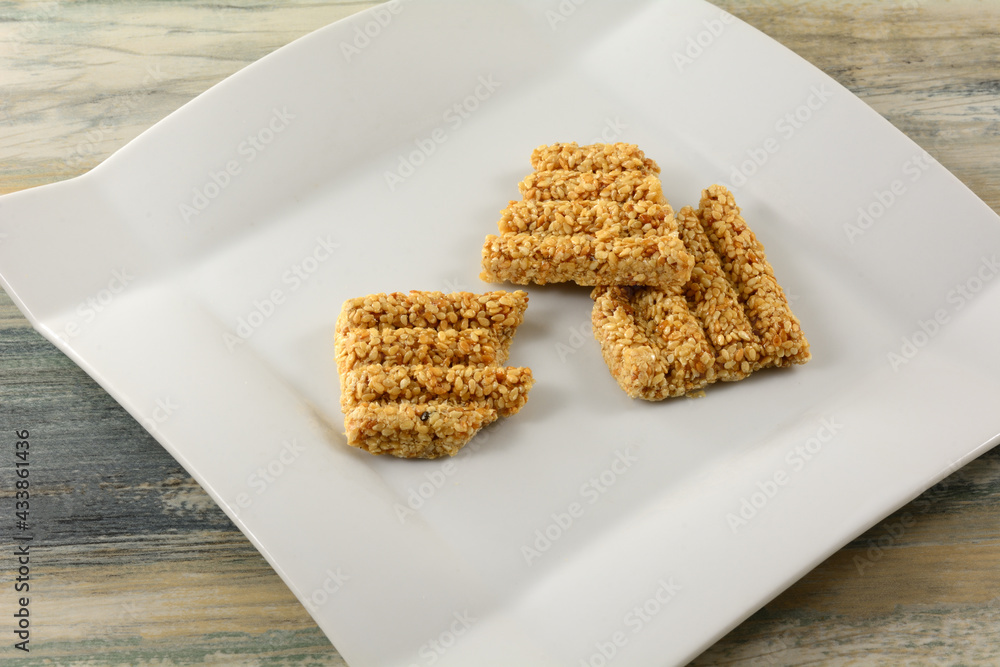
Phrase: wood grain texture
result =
(139, 567)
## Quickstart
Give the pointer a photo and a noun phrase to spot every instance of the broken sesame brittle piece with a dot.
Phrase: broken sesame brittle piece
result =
(421, 372)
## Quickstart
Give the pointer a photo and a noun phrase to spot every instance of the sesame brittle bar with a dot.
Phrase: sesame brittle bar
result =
(586, 218)
(729, 320)
(421, 372)
(652, 344)
(593, 157)
(564, 185)
(748, 270)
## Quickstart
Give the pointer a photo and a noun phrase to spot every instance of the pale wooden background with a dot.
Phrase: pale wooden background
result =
(140, 567)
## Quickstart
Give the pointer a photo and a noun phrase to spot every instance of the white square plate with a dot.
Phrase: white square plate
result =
(198, 273)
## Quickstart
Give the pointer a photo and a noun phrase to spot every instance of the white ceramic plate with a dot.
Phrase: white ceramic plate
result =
(197, 275)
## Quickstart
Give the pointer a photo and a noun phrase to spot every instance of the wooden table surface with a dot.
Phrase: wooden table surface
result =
(139, 567)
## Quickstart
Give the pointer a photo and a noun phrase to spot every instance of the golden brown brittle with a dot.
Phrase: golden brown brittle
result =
(594, 215)
(420, 373)
(729, 320)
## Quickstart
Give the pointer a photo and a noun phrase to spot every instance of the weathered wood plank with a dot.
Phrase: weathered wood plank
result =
(83, 79)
